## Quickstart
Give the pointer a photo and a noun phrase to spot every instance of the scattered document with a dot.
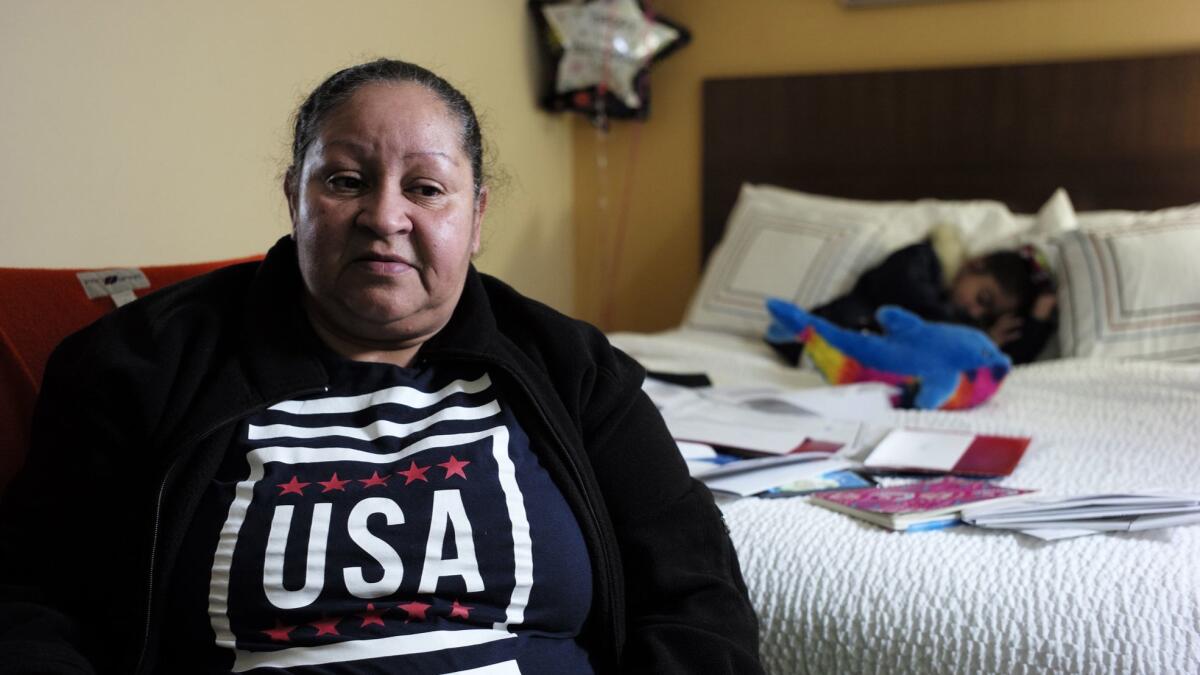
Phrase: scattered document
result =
(752, 476)
(953, 452)
(833, 480)
(759, 420)
(733, 426)
(1052, 518)
(701, 458)
(867, 402)
(667, 395)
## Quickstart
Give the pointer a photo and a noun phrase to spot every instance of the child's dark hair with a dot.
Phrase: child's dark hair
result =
(1017, 273)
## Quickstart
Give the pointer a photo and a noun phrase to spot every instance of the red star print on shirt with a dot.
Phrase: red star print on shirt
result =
(333, 484)
(416, 610)
(373, 480)
(454, 467)
(460, 611)
(280, 632)
(372, 616)
(326, 626)
(294, 486)
(413, 473)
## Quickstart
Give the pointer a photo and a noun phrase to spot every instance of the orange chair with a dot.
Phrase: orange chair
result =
(38, 308)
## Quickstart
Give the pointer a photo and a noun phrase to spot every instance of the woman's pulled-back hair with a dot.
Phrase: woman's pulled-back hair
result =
(340, 86)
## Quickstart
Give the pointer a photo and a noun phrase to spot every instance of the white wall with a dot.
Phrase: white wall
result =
(150, 131)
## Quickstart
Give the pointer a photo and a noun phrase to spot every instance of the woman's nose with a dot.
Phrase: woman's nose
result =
(385, 211)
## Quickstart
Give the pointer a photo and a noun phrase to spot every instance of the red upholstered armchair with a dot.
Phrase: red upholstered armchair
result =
(38, 308)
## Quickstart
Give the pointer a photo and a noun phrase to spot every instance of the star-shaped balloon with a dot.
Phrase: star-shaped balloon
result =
(597, 55)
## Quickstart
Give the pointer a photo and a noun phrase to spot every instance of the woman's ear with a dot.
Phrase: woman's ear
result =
(481, 203)
(289, 193)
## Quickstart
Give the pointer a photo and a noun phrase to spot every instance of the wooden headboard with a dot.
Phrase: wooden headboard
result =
(1117, 133)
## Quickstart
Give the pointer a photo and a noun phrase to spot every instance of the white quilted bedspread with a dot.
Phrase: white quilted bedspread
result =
(836, 595)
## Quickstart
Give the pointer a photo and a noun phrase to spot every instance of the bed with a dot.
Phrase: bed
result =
(810, 179)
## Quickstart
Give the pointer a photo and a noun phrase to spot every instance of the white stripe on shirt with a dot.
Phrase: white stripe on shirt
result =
(405, 396)
(375, 430)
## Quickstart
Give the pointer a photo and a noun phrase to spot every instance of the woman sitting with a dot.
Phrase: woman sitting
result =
(362, 455)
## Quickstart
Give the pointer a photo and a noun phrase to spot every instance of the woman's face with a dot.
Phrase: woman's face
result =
(385, 217)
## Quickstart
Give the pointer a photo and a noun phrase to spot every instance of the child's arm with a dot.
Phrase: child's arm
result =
(1006, 329)
(911, 278)
(1024, 339)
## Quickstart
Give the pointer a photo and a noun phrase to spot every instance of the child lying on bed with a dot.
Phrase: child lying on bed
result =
(1008, 294)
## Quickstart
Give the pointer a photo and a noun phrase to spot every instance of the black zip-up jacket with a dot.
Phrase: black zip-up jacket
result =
(138, 409)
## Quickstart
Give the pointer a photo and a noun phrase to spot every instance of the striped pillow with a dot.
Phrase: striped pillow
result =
(1130, 287)
(781, 244)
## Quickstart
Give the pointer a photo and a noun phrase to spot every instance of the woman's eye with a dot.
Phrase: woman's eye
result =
(426, 190)
(344, 183)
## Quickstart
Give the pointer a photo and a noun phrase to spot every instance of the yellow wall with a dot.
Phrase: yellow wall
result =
(659, 265)
(152, 131)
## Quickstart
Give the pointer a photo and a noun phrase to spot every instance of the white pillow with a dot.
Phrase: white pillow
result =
(1055, 218)
(1130, 285)
(779, 243)
(810, 249)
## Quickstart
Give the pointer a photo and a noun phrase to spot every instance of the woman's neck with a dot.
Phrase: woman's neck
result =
(358, 349)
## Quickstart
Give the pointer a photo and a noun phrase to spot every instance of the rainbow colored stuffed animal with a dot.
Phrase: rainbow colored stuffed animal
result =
(935, 365)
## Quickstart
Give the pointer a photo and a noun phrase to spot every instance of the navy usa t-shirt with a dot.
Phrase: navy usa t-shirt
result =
(398, 522)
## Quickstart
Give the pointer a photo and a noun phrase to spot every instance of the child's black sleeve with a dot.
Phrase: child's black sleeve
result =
(1035, 333)
(911, 278)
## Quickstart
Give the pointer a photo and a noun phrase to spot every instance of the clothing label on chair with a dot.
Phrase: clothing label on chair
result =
(116, 283)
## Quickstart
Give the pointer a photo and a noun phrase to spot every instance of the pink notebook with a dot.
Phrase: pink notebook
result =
(922, 505)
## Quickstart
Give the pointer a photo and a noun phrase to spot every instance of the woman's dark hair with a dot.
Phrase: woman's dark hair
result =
(340, 86)
(1015, 275)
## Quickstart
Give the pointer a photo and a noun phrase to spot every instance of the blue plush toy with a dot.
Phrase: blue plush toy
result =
(936, 365)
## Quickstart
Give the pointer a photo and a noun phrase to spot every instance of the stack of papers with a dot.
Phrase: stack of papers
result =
(781, 476)
(844, 479)
(737, 420)
(1052, 518)
(731, 426)
(862, 402)
(751, 476)
(701, 458)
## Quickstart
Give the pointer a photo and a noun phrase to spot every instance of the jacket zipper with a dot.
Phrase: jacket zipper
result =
(186, 453)
(602, 543)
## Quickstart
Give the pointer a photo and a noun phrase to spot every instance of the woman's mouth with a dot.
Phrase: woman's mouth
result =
(384, 264)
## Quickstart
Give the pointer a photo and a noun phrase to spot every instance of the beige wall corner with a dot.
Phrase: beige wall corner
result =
(143, 132)
(659, 267)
